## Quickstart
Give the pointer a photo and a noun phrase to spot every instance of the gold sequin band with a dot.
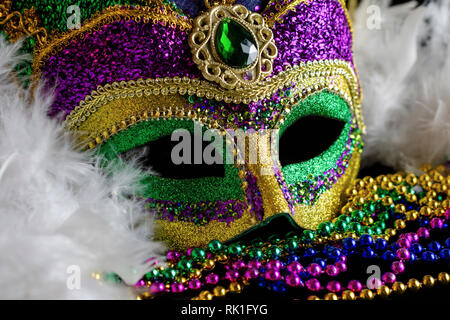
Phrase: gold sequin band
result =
(308, 77)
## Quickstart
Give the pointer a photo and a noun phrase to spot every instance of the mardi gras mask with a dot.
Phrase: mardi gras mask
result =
(146, 81)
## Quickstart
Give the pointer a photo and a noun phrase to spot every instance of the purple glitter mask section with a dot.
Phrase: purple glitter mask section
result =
(318, 30)
(121, 51)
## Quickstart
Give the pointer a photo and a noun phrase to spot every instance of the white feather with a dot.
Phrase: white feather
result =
(59, 209)
(406, 84)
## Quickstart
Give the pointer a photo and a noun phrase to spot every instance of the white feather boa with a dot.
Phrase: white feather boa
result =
(58, 209)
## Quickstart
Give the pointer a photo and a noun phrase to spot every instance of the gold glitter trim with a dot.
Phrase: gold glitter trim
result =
(331, 201)
(308, 77)
(160, 14)
(17, 25)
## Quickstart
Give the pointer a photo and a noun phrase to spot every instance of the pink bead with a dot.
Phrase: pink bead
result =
(334, 286)
(173, 256)
(273, 264)
(313, 284)
(397, 267)
(414, 237)
(238, 265)
(140, 283)
(254, 264)
(314, 269)
(354, 285)
(342, 266)
(251, 273)
(389, 277)
(177, 287)
(209, 255)
(272, 275)
(157, 287)
(293, 280)
(423, 233)
(436, 223)
(232, 275)
(295, 267)
(195, 284)
(404, 243)
(331, 270)
(212, 278)
(343, 258)
(403, 254)
(189, 251)
(447, 214)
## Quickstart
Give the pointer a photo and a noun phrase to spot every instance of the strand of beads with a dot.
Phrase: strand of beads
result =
(393, 200)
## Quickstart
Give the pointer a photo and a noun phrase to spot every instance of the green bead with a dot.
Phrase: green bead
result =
(325, 229)
(184, 264)
(256, 254)
(235, 45)
(169, 273)
(380, 224)
(198, 254)
(152, 274)
(355, 227)
(366, 230)
(358, 215)
(308, 236)
(273, 239)
(291, 244)
(234, 249)
(274, 251)
(344, 217)
(341, 226)
(383, 216)
(215, 246)
(377, 230)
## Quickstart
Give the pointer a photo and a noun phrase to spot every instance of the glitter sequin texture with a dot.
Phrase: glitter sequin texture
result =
(117, 52)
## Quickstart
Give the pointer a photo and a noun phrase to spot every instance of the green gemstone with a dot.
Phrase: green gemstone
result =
(235, 45)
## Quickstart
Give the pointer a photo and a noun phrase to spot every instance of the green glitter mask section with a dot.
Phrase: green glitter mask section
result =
(321, 104)
(160, 188)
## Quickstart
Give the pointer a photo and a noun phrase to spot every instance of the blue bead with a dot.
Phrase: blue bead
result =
(424, 222)
(445, 254)
(335, 254)
(349, 243)
(292, 258)
(304, 275)
(368, 253)
(380, 244)
(310, 252)
(389, 256)
(447, 243)
(434, 246)
(416, 248)
(278, 286)
(412, 257)
(365, 240)
(262, 282)
(320, 262)
(394, 246)
(428, 256)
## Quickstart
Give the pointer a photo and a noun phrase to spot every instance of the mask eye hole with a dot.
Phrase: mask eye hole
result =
(156, 156)
(307, 138)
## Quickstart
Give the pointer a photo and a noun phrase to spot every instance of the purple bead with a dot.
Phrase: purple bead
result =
(251, 273)
(342, 266)
(331, 270)
(254, 264)
(403, 254)
(388, 277)
(314, 269)
(397, 267)
(414, 237)
(436, 223)
(173, 256)
(272, 274)
(212, 278)
(195, 284)
(404, 243)
(157, 287)
(293, 280)
(273, 264)
(423, 233)
(238, 265)
(313, 284)
(189, 251)
(334, 286)
(295, 267)
(177, 287)
(354, 285)
(231, 275)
